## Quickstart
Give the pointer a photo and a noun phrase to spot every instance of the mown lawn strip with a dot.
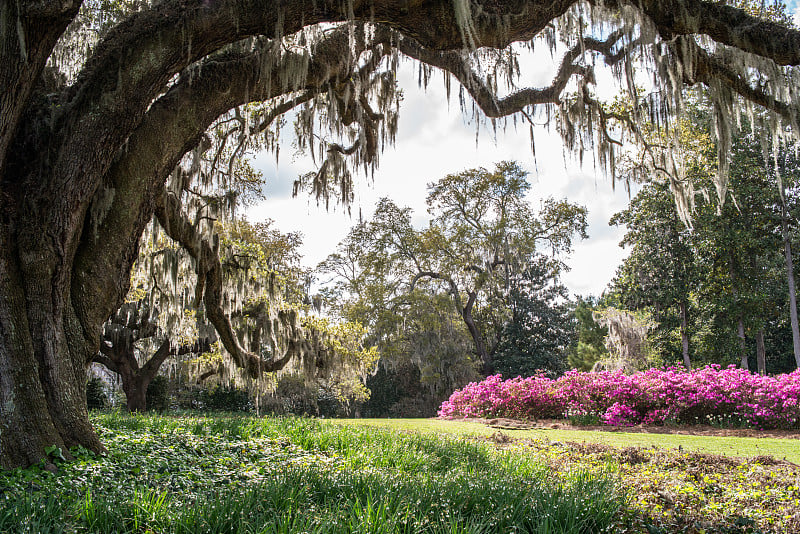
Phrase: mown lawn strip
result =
(782, 449)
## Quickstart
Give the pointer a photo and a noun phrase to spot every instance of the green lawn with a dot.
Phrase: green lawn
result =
(709, 485)
(788, 449)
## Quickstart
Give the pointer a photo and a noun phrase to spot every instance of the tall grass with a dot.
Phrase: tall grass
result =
(347, 480)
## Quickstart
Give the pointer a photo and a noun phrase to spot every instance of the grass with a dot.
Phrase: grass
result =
(708, 485)
(786, 449)
(242, 474)
(209, 474)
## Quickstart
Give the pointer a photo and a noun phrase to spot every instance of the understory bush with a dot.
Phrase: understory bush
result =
(158, 394)
(710, 395)
(96, 396)
(226, 399)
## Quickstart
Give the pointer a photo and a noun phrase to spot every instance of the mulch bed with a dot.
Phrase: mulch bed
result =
(675, 491)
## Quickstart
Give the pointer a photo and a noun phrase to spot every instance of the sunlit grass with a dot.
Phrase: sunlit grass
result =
(788, 449)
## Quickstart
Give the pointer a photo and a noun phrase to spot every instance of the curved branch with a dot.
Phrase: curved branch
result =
(437, 276)
(150, 368)
(493, 107)
(135, 62)
(28, 33)
(106, 349)
(187, 110)
(725, 24)
(106, 362)
(708, 68)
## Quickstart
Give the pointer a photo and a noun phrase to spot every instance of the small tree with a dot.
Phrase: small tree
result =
(542, 326)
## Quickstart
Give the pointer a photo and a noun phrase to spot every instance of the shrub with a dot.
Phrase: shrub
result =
(657, 396)
(292, 395)
(226, 399)
(158, 394)
(399, 392)
(96, 397)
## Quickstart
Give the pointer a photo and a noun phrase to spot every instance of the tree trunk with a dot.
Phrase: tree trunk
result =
(43, 360)
(685, 336)
(121, 359)
(480, 347)
(134, 380)
(761, 352)
(787, 247)
(136, 393)
(742, 344)
(740, 318)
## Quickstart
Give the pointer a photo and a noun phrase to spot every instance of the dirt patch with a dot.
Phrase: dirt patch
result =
(694, 430)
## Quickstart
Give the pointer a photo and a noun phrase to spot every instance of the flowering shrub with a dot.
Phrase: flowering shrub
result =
(656, 396)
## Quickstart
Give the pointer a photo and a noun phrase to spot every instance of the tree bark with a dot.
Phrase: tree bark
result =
(685, 336)
(27, 37)
(43, 357)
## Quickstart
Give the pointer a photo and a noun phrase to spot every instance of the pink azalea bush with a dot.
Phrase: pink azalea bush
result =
(657, 396)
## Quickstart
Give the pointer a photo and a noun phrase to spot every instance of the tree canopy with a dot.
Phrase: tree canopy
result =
(113, 113)
(485, 240)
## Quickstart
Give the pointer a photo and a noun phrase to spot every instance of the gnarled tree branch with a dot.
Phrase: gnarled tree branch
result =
(179, 228)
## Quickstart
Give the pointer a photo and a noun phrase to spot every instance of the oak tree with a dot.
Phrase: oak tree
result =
(96, 111)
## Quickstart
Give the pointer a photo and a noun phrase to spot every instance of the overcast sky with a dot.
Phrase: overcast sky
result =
(433, 140)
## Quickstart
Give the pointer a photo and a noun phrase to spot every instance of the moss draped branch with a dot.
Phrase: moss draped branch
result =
(180, 229)
(723, 23)
(187, 110)
(707, 68)
(571, 65)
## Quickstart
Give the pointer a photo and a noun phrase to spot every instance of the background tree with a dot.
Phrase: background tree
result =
(443, 297)
(740, 248)
(542, 327)
(590, 345)
(659, 273)
(134, 348)
(626, 341)
(423, 344)
(728, 270)
(483, 234)
(84, 160)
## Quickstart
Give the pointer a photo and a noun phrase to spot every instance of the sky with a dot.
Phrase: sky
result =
(435, 139)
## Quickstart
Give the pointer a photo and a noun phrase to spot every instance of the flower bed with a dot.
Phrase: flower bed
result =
(724, 397)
